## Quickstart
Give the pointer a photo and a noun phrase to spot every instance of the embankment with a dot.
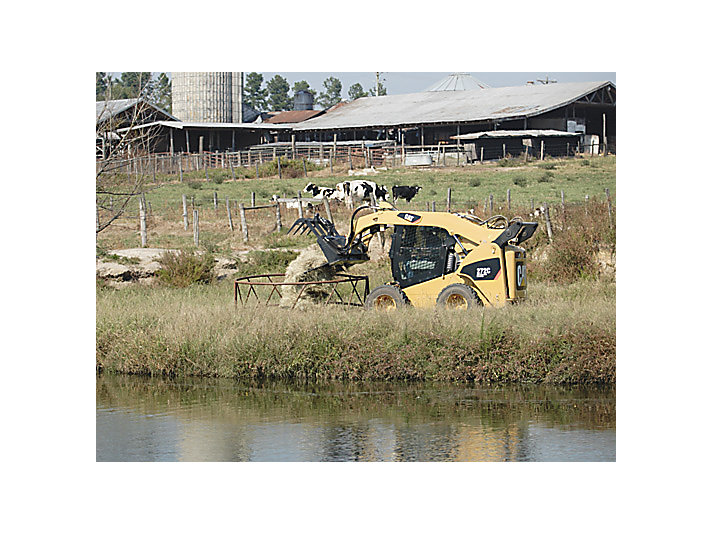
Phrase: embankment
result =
(564, 334)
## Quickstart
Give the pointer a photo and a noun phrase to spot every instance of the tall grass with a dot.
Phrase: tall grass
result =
(563, 334)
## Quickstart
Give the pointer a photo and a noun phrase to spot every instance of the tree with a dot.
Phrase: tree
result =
(356, 91)
(332, 95)
(161, 95)
(279, 99)
(302, 86)
(254, 95)
(379, 90)
(103, 81)
(132, 85)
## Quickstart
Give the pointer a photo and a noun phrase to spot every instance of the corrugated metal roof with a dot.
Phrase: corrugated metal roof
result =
(458, 82)
(294, 116)
(515, 133)
(106, 109)
(451, 106)
(179, 125)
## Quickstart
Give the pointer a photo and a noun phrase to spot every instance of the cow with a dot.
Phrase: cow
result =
(318, 192)
(405, 191)
(360, 190)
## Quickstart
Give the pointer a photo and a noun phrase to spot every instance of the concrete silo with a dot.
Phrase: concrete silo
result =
(207, 96)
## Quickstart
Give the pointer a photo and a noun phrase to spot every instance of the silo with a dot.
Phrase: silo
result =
(303, 100)
(207, 96)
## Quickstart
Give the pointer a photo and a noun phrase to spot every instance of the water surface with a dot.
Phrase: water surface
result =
(190, 419)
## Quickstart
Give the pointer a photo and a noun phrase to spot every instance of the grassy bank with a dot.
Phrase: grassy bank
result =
(563, 334)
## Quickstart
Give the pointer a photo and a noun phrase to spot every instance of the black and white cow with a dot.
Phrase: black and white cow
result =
(360, 190)
(318, 192)
(405, 191)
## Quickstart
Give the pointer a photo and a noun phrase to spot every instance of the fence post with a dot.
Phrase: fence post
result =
(491, 204)
(232, 170)
(206, 170)
(328, 209)
(449, 198)
(180, 167)
(585, 200)
(504, 150)
(196, 228)
(433, 206)
(610, 208)
(299, 204)
(294, 146)
(482, 154)
(252, 198)
(541, 156)
(142, 217)
(304, 165)
(243, 222)
(351, 164)
(215, 201)
(229, 214)
(548, 221)
(185, 213)
(509, 199)
(332, 153)
(279, 166)
(257, 170)
(279, 218)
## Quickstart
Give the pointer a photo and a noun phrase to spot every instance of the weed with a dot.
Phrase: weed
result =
(195, 185)
(520, 181)
(546, 177)
(182, 269)
(474, 182)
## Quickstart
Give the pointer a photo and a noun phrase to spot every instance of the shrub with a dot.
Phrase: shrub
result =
(182, 269)
(546, 177)
(217, 178)
(474, 182)
(585, 163)
(521, 181)
(195, 185)
(550, 166)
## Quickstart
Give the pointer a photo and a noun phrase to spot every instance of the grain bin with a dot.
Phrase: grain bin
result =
(207, 96)
(303, 100)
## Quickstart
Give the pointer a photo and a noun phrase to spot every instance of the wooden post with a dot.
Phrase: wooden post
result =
(279, 217)
(206, 170)
(249, 158)
(304, 165)
(180, 167)
(261, 156)
(585, 204)
(321, 153)
(252, 198)
(526, 154)
(274, 153)
(257, 170)
(232, 170)
(229, 214)
(504, 150)
(563, 206)
(449, 198)
(196, 228)
(215, 200)
(433, 206)
(200, 144)
(548, 221)
(491, 204)
(541, 156)
(509, 199)
(155, 164)
(294, 146)
(185, 213)
(482, 154)
(351, 165)
(243, 223)
(328, 209)
(605, 141)
(187, 142)
(279, 166)
(332, 153)
(300, 209)
(402, 149)
(239, 159)
(142, 217)
(610, 208)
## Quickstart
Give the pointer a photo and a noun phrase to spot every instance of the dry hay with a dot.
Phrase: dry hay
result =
(308, 259)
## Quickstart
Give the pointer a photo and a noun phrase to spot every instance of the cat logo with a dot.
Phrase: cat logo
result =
(521, 275)
(410, 217)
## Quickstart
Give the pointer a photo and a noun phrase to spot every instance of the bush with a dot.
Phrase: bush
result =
(217, 178)
(550, 166)
(474, 182)
(195, 185)
(520, 181)
(547, 177)
(585, 163)
(182, 269)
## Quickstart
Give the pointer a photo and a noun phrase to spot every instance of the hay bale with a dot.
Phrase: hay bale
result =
(300, 270)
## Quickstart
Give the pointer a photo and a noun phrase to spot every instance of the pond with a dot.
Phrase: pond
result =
(193, 419)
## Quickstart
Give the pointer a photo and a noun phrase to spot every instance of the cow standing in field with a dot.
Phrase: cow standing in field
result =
(406, 192)
(319, 193)
(360, 190)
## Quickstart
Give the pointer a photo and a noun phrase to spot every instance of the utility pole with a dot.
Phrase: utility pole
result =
(378, 84)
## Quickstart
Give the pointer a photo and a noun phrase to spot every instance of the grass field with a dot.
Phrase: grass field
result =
(472, 185)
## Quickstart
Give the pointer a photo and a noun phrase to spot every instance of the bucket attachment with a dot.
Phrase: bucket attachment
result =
(335, 246)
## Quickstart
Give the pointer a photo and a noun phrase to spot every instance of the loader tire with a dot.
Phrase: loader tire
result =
(459, 296)
(386, 297)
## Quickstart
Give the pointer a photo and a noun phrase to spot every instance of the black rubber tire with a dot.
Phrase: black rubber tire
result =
(461, 292)
(382, 296)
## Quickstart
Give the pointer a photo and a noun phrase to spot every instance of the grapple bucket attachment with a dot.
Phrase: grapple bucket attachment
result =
(335, 246)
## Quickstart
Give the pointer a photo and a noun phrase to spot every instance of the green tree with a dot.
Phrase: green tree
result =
(380, 90)
(161, 94)
(255, 96)
(132, 85)
(356, 91)
(302, 86)
(103, 80)
(332, 94)
(278, 89)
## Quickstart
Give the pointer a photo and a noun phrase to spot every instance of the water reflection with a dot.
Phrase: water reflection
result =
(151, 419)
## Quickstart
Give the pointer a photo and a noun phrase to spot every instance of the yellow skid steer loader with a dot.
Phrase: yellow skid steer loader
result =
(446, 259)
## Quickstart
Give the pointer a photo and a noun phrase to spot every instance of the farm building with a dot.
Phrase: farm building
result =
(435, 117)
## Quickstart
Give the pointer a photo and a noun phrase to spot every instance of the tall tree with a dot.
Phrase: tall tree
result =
(102, 84)
(302, 86)
(132, 85)
(379, 90)
(356, 91)
(332, 94)
(279, 99)
(161, 95)
(255, 96)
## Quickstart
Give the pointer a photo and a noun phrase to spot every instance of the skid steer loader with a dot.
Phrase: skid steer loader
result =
(445, 259)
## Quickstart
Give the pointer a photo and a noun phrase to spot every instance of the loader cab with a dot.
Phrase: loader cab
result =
(420, 253)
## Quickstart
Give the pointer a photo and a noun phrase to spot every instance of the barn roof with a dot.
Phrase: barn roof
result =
(106, 109)
(438, 107)
(458, 82)
(294, 116)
